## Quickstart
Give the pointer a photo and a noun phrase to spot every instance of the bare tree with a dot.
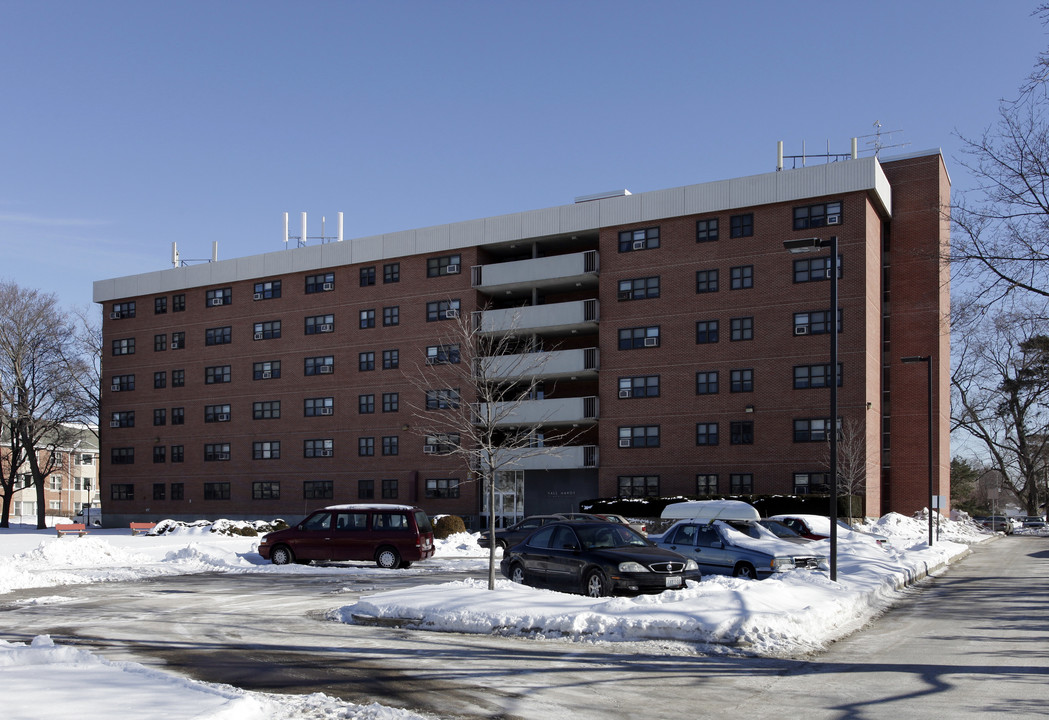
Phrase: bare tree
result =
(477, 393)
(853, 463)
(82, 356)
(36, 389)
(999, 388)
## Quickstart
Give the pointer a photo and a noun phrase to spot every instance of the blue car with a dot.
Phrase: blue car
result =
(718, 547)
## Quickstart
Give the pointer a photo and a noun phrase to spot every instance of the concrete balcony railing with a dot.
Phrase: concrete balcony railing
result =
(558, 271)
(575, 316)
(566, 457)
(558, 411)
(581, 363)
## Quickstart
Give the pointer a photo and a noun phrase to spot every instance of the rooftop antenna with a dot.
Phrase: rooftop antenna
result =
(302, 238)
(879, 142)
(177, 261)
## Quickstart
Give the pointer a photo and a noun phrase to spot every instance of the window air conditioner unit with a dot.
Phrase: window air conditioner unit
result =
(267, 374)
(222, 417)
(625, 295)
(833, 219)
(625, 393)
(257, 296)
(429, 449)
(327, 327)
(325, 411)
(325, 369)
(431, 359)
(451, 313)
(114, 423)
(452, 270)
(325, 453)
(801, 330)
(175, 344)
(216, 301)
(624, 442)
(328, 286)
(639, 244)
(651, 342)
(115, 387)
(257, 336)
(222, 456)
(114, 316)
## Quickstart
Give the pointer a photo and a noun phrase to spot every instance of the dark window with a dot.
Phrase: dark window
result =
(178, 340)
(638, 485)
(639, 436)
(706, 281)
(267, 330)
(639, 386)
(365, 361)
(265, 410)
(218, 336)
(742, 277)
(266, 370)
(160, 379)
(706, 484)
(813, 216)
(389, 489)
(447, 265)
(390, 402)
(391, 273)
(122, 310)
(320, 283)
(160, 343)
(122, 456)
(742, 432)
(216, 413)
(313, 407)
(216, 374)
(318, 448)
(707, 230)
(367, 319)
(267, 290)
(324, 365)
(391, 316)
(742, 328)
(320, 324)
(638, 288)
(639, 337)
(706, 332)
(160, 416)
(741, 483)
(124, 419)
(814, 376)
(805, 483)
(122, 383)
(178, 302)
(160, 305)
(442, 310)
(216, 491)
(178, 378)
(706, 433)
(178, 416)
(390, 445)
(814, 269)
(741, 225)
(365, 489)
(265, 490)
(216, 452)
(178, 490)
(318, 490)
(811, 430)
(367, 276)
(365, 404)
(160, 454)
(742, 381)
(707, 383)
(265, 450)
(442, 355)
(223, 296)
(122, 491)
(443, 399)
(390, 359)
(124, 346)
(644, 239)
(814, 323)
(442, 487)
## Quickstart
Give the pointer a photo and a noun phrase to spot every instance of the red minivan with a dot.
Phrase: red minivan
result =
(394, 536)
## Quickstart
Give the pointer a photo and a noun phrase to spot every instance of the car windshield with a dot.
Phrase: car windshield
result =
(595, 537)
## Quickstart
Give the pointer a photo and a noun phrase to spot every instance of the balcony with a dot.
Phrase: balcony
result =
(545, 273)
(557, 318)
(567, 457)
(559, 411)
(553, 365)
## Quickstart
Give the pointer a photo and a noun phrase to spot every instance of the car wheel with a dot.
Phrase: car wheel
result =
(596, 585)
(387, 558)
(501, 544)
(745, 571)
(282, 555)
(517, 574)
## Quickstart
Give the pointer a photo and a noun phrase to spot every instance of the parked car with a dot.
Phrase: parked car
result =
(783, 531)
(1032, 522)
(390, 535)
(596, 559)
(510, 536)
(817, 527)
(635, 526)
(718, 547)
(997, 523)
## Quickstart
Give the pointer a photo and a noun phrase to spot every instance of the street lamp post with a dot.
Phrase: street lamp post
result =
(927, 359)
(804, 245)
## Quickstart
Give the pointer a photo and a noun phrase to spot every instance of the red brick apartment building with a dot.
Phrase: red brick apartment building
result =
(688, 353)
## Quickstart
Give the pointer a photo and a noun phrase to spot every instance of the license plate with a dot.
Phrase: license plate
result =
(673, 582)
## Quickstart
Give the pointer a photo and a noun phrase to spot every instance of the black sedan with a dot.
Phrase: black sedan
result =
(596, 559)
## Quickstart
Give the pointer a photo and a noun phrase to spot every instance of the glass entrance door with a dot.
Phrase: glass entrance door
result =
(509, 499)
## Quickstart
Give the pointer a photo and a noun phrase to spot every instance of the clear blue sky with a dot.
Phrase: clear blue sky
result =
(128, 124)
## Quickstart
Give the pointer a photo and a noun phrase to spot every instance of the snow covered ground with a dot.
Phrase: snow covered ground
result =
(786, 614)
